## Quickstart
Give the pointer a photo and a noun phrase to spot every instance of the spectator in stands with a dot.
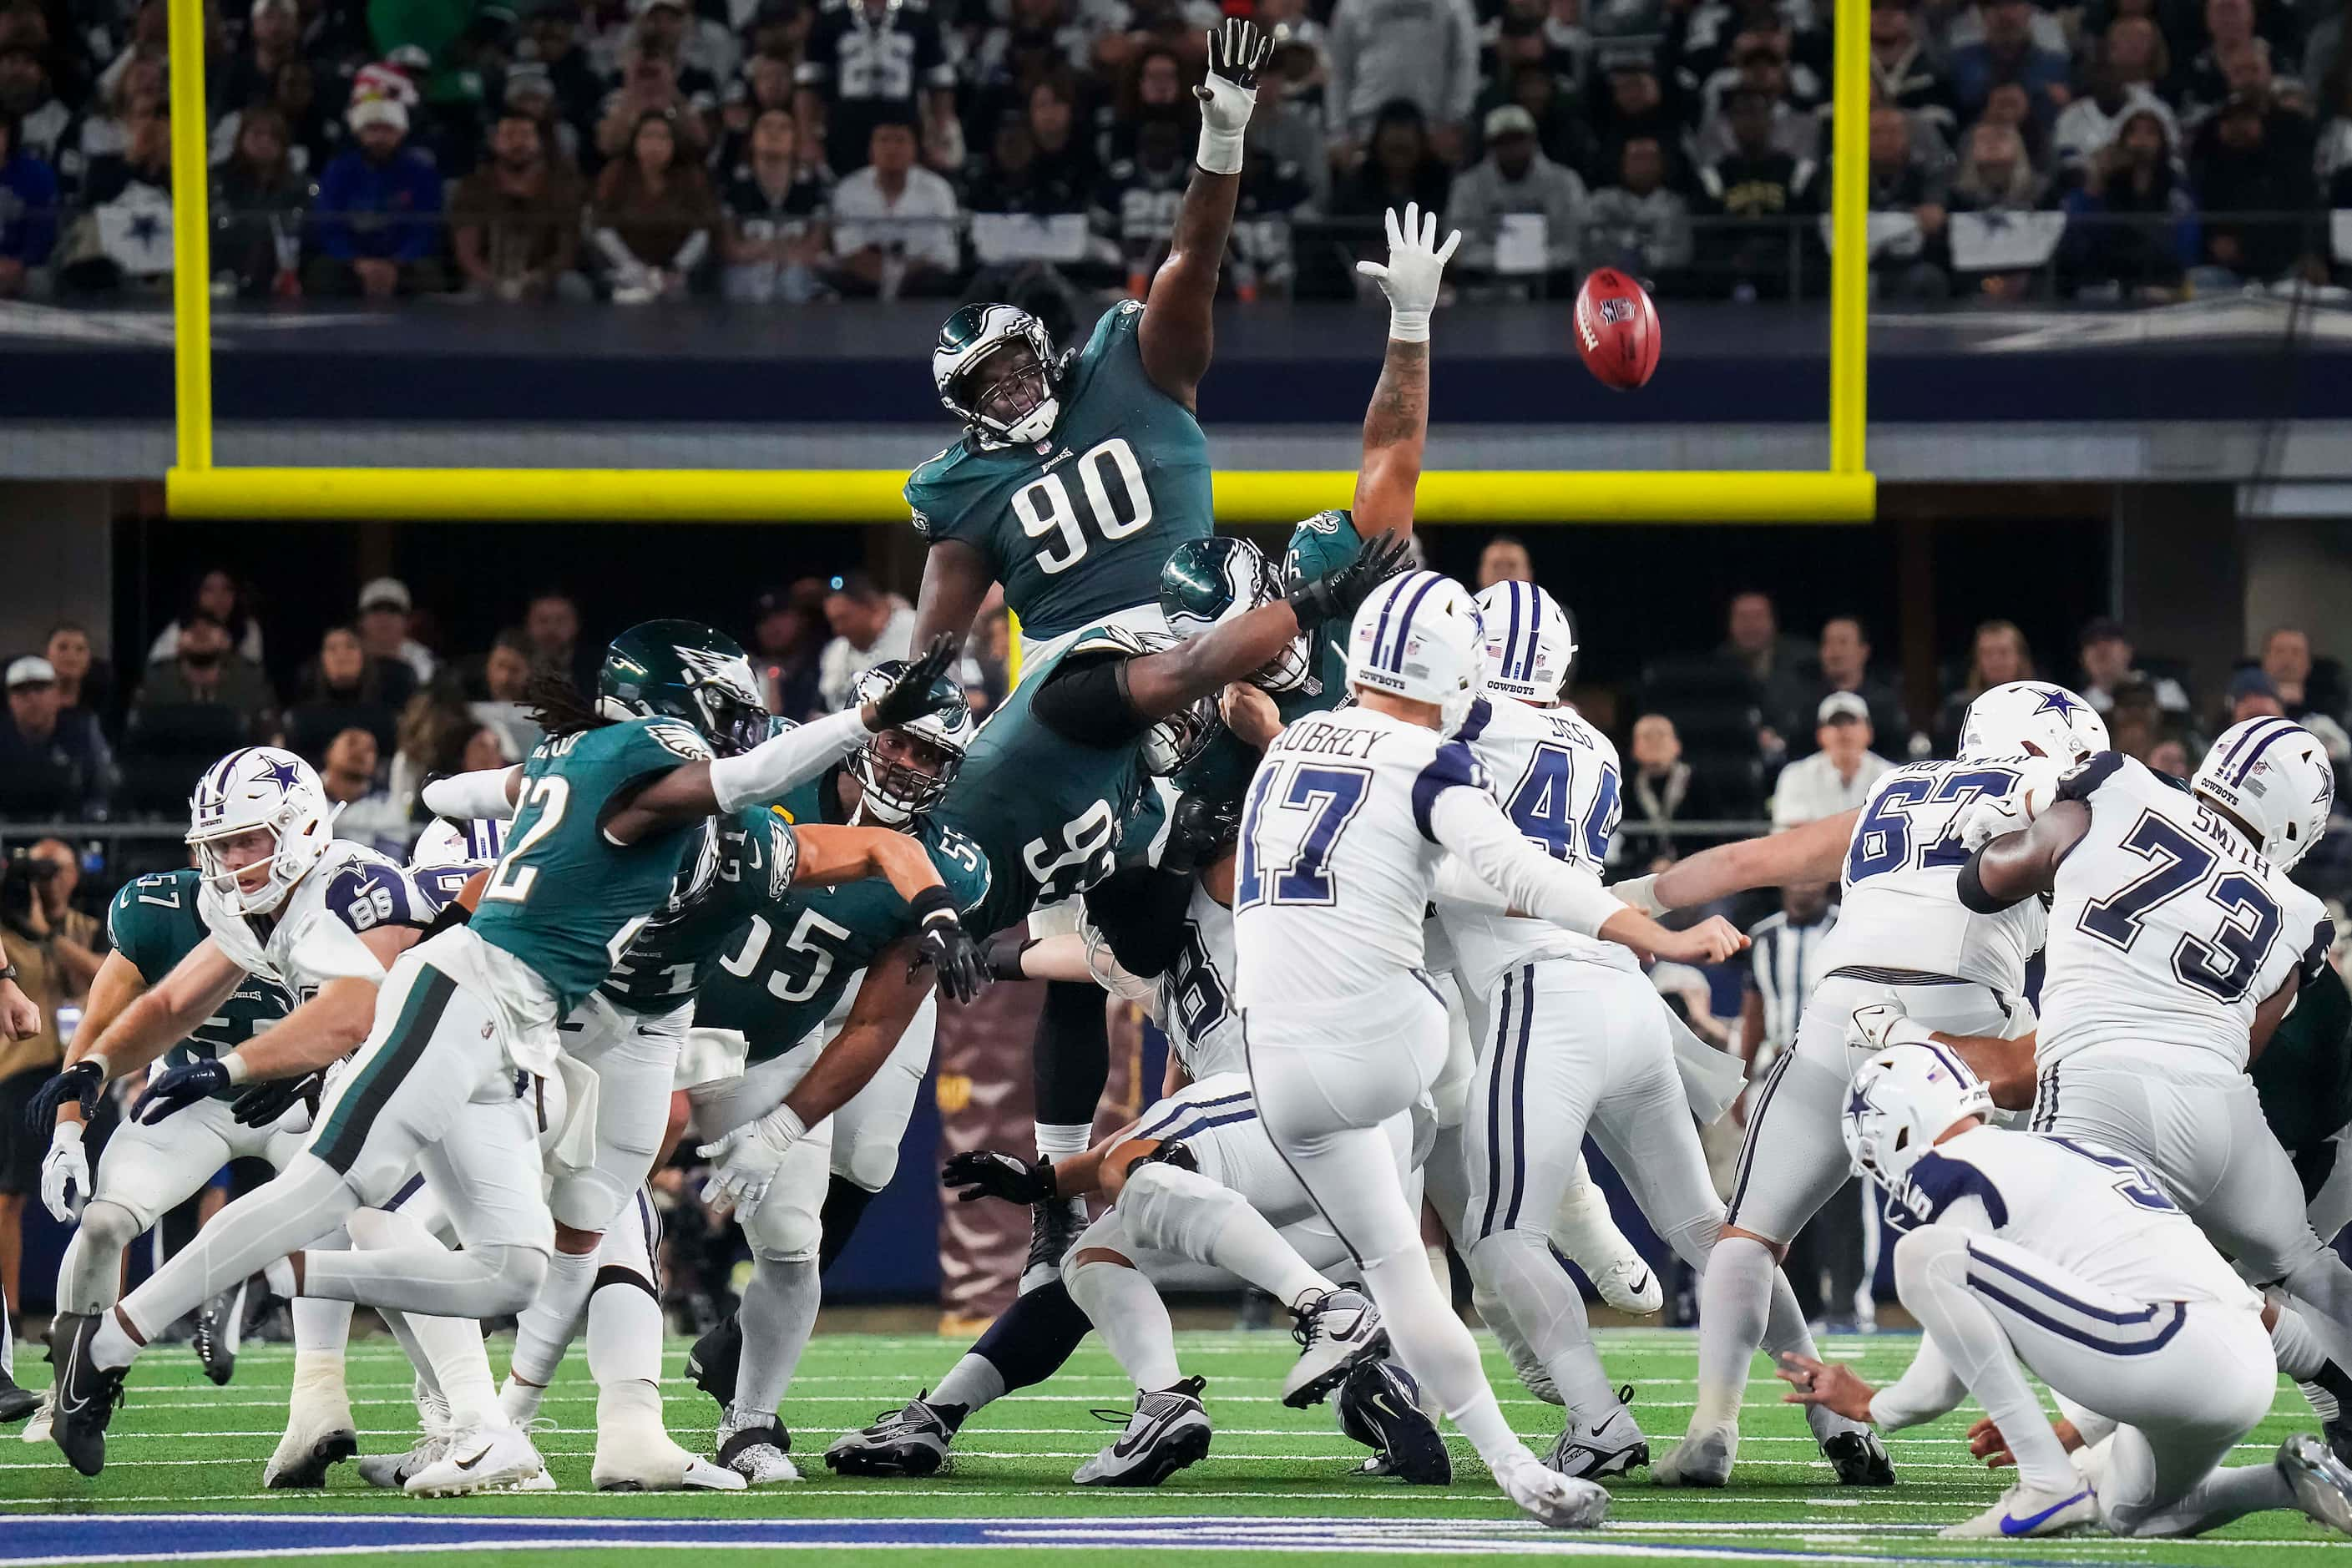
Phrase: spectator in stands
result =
(1771, 188)
(1844, 662)
(1140, 194)
(1636, 103)
(122, 242)
(868, 627)
(95, 154)
(207, 671)
(1505, 560)
(377, 212)
(894, 231)
(257, 201)
(1762, 65)
(28, 211)
(368, 814)
(344, 688)
(652, 84)
(76, 938)
(1399, 166)
(1661, 790)
(775, 204)
(2201, 84)
(2253, 157)
(702, 46)
(1289, 124)
(1423, 50)
(1903, 73)
(1563, 130)
(2107, 653)
(1998, 655)
(788, 637)
(1051, 114)
(1997, 180)
(2120, 79)
(1837, 777)
(85, 681)
(506, 681)
(2009, 52)
(25, 97)
(386, 613)
(2304, 686)
(2251, 695)
(514, 221)
(552, 622)
(653, 216)
(273, 36)
(220, 596)
(2140, 235)
(1263, 263)
(314, 132)
(2169, 757)
(26, 1064)
(1521, 214)
(1753, 644)
(871, 63)
(530, 96)
(1637, 223)
(1906, 258)
(54, 762)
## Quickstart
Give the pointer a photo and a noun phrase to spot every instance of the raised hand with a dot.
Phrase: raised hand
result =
(1237, 52)
(1414, 271)
(909, 697)
(1334, 595)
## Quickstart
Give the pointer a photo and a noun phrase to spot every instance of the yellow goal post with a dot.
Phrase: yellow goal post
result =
(194, 487)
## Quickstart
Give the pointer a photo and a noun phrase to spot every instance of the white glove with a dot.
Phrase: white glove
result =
(1988, 819)
(65, 1175)
(1885, 1024)
(1237, 52)
(744, 1162)
(1415, 267)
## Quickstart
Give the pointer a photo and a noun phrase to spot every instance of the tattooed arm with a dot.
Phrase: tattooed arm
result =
(1396, 426)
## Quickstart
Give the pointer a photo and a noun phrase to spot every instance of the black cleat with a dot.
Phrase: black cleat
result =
(87, 1394)
(15, 1404)
(1859, 1458)
(909, 1441)
(716, 1361)
(215, 1339)
(1054, 1229)
(2339, 1433)
(1379, 1407)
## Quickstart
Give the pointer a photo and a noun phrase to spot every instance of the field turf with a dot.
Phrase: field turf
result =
(183, 1483)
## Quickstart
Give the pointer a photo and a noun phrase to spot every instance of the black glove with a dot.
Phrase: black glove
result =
(82, 1081)
(1237, 52)
(1334, 595)
(1200, 830)
(992, 1173)
(264, 1104)
(909, 697)
(1004, 950)
(177, 1089)
(943, 943)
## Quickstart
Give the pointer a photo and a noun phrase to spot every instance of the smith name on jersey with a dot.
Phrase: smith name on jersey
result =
(152, 923)
(1078, 526)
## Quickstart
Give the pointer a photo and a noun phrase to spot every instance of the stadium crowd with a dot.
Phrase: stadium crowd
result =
(784, 152)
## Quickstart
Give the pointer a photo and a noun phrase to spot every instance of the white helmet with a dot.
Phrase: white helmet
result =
(1904, 1099)
(447, 842)
(2033, 716)
(2273, 775)
(894, 792)
(1531, 642)
(1419, 637)
(259, 788)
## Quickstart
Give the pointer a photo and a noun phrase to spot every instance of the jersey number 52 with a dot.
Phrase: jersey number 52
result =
(1117, 505)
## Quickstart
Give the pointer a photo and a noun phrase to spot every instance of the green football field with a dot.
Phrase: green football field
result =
(183, 1483)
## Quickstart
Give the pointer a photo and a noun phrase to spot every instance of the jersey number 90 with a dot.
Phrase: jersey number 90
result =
(1117, 505)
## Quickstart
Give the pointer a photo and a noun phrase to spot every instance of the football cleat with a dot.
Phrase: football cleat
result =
(482, 1460)
(757, 1453)
(391, 1471)
(1859, 1458)
(1560, 1502)
(37, 1430)
(2321, 1481)
(319, 1432)
(1335, 1332)
(1379, 1406)
(1054, 1229)
(911, 1440)
(1702, 1458)
(1630, 1285)
(635, 1452)
(1169, 1430)
(1607, 1447)
(2020, 1513)
(218, 1321)
(15, 1404)
(715, 1360)
(87, 1394)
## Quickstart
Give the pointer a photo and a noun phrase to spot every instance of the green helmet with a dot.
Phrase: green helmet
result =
(904, 771)
(1220, 766)
(684, 671)
(1208, 582)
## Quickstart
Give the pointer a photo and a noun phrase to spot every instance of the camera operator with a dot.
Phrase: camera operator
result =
(49, 964)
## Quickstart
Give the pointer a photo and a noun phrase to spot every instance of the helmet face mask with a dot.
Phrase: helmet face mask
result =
(684, 671)
(1208, 582)
(259, 821)
(996, 370)
(903, 772)
(1175, 743)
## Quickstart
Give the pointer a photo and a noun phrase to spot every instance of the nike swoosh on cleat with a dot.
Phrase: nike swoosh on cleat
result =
(2011, 1525)
(483, 1453)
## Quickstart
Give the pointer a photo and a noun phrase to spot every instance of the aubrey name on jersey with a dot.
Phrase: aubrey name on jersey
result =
(314, 935)
(1901, 917)
(1078, 525)
(780, 974)
(565, 900)
(2167, 927)
(152, 923)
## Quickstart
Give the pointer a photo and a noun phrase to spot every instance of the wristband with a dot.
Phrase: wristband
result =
(234, 1065)
(97, 1059)
(1221, 150)
(931, 904)
(7, 972)
(1408, 326)
(1640, 893)
(65, 1132)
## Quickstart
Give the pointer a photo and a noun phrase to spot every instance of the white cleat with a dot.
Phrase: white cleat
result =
(1608, 1448)
(2322, 1483)
(635, 1460)
(1560, 1502)
(1335, 1332)
(481, 1459)
(391, 1471)
(1702, 1458)
(319, 1432)
(1169, 1430)
(37, 1426)
(758, 1452)
(2020, 1513)
(1630, 1285)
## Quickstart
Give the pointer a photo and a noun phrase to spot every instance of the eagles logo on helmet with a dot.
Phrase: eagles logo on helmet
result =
(683, 669)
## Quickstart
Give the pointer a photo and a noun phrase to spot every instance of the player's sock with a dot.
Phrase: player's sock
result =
(8, 1345)
(1029, 1343)
(1070, 1062)
(320, 1328)
(1439, 1352)
(543, 1331)
(1785, 1333)
(2300, 1354)
(1584, 1230)
(971, 1382)
(844, 1206)
(1130, 1317)
(1931, 1275)
(1546, 1308)
(624, 1333)
(1249, 1247)
(779, 1310)
(1061, 1140)
(1735, 1305)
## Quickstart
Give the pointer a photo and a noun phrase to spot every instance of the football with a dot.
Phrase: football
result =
(1616, 330)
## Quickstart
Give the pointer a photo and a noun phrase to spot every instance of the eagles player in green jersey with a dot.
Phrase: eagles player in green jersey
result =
(607, 803)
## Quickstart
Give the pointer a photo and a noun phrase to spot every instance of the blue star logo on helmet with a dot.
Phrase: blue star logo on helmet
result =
(284, 774)
(2056, 702)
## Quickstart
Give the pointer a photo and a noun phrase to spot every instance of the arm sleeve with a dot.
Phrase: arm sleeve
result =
(1463, 888)
(1469, 823)
(1928, 1389)
(780, 762)
(1085, 699)
(463, 797)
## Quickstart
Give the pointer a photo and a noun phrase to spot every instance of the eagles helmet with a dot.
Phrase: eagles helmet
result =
(2273, 775)
(1174, 743)
(2035, 717)
(1904, 1099)
(903, 772)
(1531, 642)
(1015, 402)
(259, 789)
(684, 671)
(1419, 637)
(1208, 582)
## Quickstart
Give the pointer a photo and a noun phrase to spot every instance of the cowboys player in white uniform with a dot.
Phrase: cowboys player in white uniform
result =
(1574, 1035)
(2062, 1253)
(1904, 932)
(2176, 943)
(1341, 833)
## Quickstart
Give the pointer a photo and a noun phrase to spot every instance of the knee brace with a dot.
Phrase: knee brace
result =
(1171, 1209)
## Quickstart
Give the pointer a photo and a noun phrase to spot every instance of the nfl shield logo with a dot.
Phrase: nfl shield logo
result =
(1615, 311)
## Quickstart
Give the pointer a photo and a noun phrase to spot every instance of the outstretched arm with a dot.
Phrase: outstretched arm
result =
(1176, 335)
(1809, 854)
(1396, 426)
